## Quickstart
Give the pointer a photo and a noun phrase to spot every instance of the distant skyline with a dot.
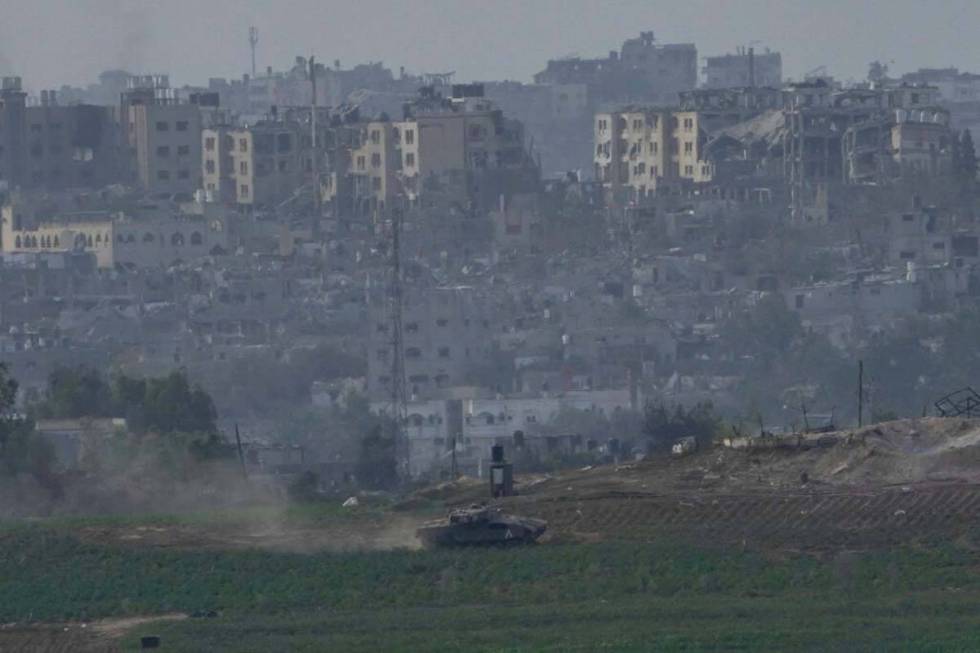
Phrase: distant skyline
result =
(55, 42)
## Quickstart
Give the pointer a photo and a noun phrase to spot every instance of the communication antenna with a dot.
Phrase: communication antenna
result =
(399, 396)
(253, 40)
(315, 156)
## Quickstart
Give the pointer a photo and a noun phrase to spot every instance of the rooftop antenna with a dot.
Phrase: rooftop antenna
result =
(253, 40)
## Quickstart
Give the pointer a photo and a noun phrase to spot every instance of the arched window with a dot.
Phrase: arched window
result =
(88, 241)
(57, 242)
(17, 242)
(120, 238)
(131, 238)
(98, 238)
(177, 239)
(80, 241)
(147, 237)
(197, 238)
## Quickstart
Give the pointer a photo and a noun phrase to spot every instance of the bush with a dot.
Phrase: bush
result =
(664, 426)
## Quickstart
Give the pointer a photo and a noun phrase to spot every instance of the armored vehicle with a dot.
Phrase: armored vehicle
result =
(480, 526)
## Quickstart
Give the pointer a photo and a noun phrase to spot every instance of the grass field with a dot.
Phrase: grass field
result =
(617, 596)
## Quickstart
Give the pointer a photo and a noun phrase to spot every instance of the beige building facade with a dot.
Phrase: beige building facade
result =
(155, 241)
(638, 149)
(259, 165)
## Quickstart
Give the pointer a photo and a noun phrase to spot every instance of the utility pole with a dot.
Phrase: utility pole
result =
(860, 394)
(315, 157)
(453, 471)
(241, 454)
(253, 40)
(399, 397)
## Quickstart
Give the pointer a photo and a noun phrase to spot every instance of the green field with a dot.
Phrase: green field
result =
(614, 596)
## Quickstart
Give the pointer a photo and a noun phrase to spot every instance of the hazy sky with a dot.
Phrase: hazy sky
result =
(50, 42)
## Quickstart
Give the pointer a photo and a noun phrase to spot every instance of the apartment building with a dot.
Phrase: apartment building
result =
(375, 164)
(164, 136)
(13, 108)
(744, 68)
(51, 146)
(258, 165)
(642, 68)
(465, 144)
(639, 148)
(446, 333)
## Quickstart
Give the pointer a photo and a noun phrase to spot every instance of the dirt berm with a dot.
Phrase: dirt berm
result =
(882, 484)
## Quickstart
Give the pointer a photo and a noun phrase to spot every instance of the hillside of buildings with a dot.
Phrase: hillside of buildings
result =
(377, 276)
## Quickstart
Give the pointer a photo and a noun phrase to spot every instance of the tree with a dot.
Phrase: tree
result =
(664, 426)
(20, 450)
(167, 404)
(765, 332)
(172, 405)
(377, 466)
(75, 392)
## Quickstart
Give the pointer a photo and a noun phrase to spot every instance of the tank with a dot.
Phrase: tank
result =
(480, 526)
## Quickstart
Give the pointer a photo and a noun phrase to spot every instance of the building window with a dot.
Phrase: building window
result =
(163, 126)
(376, 183)
(183, 150)
(163, 151)
(163, 175)
(375, 160)
(410, 160)
(243, 144)
(360, 163)
(443, 352)
(243, 191)
(689, 171)
(184, 174)
(209, 166)
(688, 147)
(375, 136)
(413, 352)
(243, 167)
(209, 143)
(409, 136)
(181, 125)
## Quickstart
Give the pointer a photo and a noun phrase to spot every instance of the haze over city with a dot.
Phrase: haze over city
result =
(511, 325)
(504, 39)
